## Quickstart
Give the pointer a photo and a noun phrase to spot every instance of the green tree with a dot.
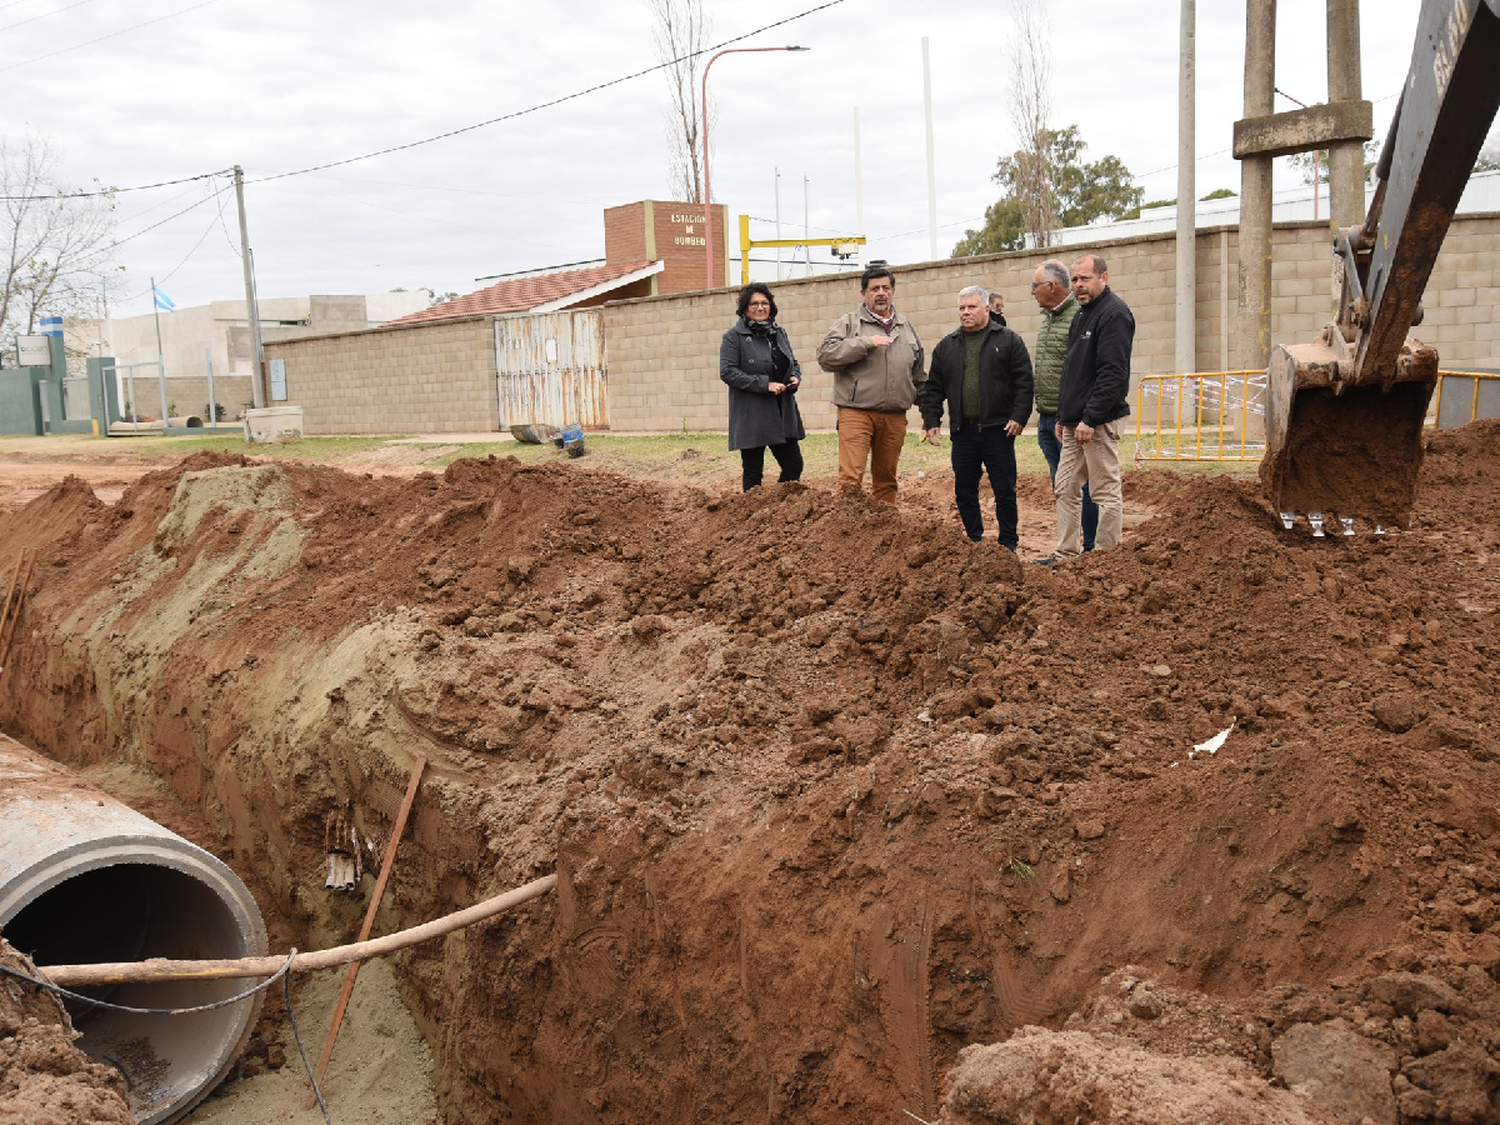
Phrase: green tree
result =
(1489, 159)
(1004, 229)
(1077, 193)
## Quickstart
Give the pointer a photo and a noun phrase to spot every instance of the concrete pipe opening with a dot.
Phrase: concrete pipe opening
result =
(85, 879)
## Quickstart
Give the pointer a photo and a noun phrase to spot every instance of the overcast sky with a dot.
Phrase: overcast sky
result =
(157, 90)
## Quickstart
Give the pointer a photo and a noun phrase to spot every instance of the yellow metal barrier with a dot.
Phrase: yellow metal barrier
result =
(1468, 404)
(1220, 415)
(1201, 416)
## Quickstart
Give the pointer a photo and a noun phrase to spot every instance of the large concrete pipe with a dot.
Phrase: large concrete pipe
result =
(85, 879)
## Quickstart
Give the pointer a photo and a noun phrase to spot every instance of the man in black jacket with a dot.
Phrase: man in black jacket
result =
(982, 372)
(1093, 397)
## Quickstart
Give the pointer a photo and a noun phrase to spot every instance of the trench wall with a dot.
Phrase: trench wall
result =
(662, 353)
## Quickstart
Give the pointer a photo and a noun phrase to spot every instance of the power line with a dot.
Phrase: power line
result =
(549, 104)
(102, 38)
(44, 15)
(114, 190)
(427, 140)
(217, 220)
(168, 219)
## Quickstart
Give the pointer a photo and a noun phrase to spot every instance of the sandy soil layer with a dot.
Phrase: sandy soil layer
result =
(837, 800)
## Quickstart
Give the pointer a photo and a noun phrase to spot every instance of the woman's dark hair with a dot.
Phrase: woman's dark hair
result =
(743, 307)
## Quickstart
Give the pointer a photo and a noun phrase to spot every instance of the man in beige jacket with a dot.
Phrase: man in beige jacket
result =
(876, 361)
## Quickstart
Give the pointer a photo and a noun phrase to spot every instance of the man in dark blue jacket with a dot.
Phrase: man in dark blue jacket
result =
(982, 372)
(1093, 397)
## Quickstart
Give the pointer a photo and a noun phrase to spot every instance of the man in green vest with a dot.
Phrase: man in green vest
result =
(1050, 287)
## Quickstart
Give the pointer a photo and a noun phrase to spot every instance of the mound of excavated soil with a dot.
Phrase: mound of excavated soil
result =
(44, 1079)
(832, 794)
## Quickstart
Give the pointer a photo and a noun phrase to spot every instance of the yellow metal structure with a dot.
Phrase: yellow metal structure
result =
(747, 244)
(1200, 416)
(1220, 415)
(1457, 405)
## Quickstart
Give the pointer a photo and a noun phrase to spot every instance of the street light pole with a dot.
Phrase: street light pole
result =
(708, 202)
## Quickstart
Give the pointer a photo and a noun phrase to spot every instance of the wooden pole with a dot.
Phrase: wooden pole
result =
(15, 576)
(8, 625)
(159, 969)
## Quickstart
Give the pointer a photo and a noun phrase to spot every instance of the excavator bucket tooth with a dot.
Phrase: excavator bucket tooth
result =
(1341, 447)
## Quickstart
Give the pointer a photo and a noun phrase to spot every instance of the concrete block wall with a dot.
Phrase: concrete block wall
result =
(662, 353)
(425, 378)
(189, 393)
(1460, 315)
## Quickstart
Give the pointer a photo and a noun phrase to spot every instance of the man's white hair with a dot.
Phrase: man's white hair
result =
(975, 291)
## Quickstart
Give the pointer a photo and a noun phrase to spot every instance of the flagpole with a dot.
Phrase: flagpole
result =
(161, 366)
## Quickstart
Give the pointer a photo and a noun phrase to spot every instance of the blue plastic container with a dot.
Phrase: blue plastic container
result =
(571, 433)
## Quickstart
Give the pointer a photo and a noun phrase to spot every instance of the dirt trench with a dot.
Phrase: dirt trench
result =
(836, 799)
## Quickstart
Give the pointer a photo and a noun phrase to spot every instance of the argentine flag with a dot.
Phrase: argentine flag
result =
(162, 300)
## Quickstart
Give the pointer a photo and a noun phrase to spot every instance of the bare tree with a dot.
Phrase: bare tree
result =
(54, 244)
(1030, 107)
(680, 36)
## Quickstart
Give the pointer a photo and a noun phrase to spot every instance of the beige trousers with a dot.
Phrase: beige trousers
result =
(1096, 461)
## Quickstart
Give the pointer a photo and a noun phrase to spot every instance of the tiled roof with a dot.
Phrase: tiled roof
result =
(518, 294)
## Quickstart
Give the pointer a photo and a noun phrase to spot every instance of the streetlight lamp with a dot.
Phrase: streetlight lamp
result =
(708, 203)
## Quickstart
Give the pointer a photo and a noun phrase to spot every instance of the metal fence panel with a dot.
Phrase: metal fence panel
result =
(1202, 416)
(1220, 415)
(549, 368)
(76, 397)
(1464, 396)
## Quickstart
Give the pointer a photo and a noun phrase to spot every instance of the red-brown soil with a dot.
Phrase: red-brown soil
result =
(44, 1079)
(832, 795)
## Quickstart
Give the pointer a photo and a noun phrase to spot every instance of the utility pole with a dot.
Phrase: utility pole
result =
(257, 380)
(1253, 286)
(806, 225)
(859, 187)
(1346, 159)
(932, 242)
(1187, 192)
(778, 223)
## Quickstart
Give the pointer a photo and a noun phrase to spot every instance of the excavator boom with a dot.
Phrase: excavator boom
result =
(1344, 414)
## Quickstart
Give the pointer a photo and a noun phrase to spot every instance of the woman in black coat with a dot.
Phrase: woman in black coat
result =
(756, 360)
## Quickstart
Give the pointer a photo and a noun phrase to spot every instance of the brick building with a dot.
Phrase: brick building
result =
(651, 249)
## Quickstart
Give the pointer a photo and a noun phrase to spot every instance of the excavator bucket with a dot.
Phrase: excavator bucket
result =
(1344, 415)
(1343, 447)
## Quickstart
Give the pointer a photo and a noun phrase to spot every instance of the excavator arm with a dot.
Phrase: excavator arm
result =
(1344, 415)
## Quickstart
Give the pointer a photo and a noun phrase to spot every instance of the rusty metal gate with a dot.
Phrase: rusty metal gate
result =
(549, 368)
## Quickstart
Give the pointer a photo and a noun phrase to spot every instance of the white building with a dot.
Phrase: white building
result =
(1291, 205)
(216, 338)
